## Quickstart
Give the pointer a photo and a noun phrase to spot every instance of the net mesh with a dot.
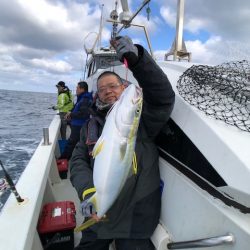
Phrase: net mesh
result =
(222, 91)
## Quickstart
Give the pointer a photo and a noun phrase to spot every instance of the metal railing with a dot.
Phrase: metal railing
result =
(200, 243)
(46, 136)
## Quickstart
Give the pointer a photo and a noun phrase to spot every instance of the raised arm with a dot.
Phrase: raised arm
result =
(158, 94)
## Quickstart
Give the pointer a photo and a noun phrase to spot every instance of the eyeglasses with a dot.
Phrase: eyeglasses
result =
(111, 86)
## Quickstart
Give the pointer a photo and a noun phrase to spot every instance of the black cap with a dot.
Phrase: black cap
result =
(61, 84)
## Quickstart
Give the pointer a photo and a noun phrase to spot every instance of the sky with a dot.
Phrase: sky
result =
(42, 41)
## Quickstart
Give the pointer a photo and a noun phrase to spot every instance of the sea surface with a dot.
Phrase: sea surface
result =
(23, 117)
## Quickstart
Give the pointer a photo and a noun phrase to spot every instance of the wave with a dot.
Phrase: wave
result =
(23, 116)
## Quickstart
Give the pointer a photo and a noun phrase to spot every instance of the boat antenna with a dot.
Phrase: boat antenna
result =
(114, 17)
(126, 23)
(100, 28)
(126, 18)
(11, 184)
(97, 41)
(148, 10)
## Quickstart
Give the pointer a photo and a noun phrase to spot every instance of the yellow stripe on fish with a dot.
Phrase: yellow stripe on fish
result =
(134, 163)
(98, 148)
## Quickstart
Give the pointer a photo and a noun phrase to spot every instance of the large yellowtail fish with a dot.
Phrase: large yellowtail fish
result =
(114, 153)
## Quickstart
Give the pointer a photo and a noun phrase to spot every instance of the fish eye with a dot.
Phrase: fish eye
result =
(137, 111)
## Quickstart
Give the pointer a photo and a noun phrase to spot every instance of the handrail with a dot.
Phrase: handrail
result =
(20, 219)
(145, 31)
(134, 15)
(206, 242)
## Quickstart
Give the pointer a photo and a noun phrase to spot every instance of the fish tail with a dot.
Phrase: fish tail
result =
(85, 225)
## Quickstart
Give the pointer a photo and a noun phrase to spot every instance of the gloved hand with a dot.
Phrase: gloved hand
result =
(53, 107)
(125, 49)
(87, 208)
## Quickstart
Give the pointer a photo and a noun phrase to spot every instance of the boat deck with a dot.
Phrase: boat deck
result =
(65, 191)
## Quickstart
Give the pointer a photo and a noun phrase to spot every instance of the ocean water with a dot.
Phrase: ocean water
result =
(23, 116)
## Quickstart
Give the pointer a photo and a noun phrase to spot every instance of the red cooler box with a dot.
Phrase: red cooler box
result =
(62, 166)
(56, 225)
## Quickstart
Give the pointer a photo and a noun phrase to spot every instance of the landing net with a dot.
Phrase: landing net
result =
(221, 91)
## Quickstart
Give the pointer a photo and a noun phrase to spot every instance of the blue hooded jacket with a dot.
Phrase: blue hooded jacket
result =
(80, 113)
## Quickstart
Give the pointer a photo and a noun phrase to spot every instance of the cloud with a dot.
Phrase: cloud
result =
(226, 18)
(159, 55)
(8, 64)
(56, 66)
(215, 31)
(151, 24)
(45, 25)
(168, 15)
(216, 51)
(42, 41)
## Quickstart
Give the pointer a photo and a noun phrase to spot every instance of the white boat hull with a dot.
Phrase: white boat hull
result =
(190, 213)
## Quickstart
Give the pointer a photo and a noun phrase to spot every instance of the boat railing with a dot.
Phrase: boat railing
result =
(162, 239)
(202, 243)
(34, 184)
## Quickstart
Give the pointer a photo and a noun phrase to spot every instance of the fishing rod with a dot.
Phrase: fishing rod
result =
(114, 17)
(11, 184)
(127, 23)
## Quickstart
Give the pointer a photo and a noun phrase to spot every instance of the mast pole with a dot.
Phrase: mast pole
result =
(179, 25)
(178, 49)
(100, 29)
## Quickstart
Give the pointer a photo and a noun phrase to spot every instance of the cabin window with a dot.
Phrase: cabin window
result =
(107, 61)
(174, 141)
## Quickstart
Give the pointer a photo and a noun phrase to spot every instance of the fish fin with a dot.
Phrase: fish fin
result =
(98, 147)
(89, 223)
(133, 168)
(85, 225)
(134, 164)
(123, 148)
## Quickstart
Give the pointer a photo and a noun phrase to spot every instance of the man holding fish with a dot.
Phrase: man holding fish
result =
(114, 167)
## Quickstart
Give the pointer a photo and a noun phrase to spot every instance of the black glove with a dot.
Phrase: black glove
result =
(125, 49)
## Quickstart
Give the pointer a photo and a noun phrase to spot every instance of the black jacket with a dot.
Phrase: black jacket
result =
(135, 213)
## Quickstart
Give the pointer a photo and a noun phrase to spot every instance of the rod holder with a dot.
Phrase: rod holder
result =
(46, 136)
(11, 184)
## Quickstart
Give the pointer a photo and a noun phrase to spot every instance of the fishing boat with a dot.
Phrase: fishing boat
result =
(204, 165)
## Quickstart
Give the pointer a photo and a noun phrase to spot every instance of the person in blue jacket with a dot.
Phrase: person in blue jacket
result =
(78, 117)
